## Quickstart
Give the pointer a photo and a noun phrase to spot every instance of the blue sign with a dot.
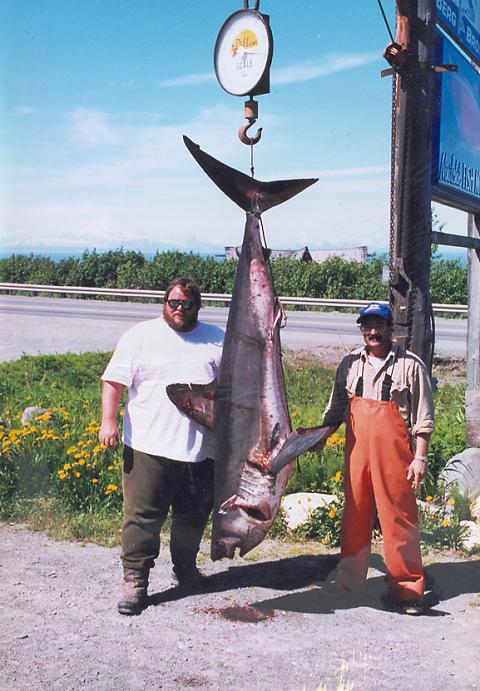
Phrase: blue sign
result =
(456, 131)
(461, 19)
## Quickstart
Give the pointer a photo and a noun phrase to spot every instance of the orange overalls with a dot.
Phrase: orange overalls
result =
(377, 457)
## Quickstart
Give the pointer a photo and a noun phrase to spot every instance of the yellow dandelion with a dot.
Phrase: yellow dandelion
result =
(44, 416)
(67, 466)
(338, 476)
(81, 461)
(445, 523)
(429, 498)
(94, 481)
(76, 473)
(451, 501)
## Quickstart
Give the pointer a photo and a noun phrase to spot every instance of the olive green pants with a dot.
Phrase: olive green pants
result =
(151, 486)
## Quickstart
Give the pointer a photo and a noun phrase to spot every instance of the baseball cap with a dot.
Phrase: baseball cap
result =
(375, 309)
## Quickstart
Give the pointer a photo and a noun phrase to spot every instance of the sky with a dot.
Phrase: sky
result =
(95, 96)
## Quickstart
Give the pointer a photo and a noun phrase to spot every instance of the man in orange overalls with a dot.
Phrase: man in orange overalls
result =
(384, 395)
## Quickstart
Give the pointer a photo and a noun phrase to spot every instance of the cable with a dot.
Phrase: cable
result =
(386, 21)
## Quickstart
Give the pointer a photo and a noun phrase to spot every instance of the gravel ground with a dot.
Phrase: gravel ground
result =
(272, 623)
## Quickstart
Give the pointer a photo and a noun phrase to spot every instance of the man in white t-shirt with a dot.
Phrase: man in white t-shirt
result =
(167, 458)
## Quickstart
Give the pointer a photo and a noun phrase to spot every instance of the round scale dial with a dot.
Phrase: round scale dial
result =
(243, 53)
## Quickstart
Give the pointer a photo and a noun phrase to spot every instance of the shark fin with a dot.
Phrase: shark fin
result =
(251, 195)
(195, 400)
(296, 444)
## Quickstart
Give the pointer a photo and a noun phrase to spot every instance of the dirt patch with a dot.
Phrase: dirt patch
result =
(272, 622)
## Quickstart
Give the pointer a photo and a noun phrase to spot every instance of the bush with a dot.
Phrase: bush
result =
(333, 278)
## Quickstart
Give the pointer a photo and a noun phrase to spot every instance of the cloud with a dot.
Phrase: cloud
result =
(26, 110)
(91, 126)
(313, 69)
(198, 79)
(298, 72)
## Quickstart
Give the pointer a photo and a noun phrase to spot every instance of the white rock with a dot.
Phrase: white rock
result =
(475, 509)
(473, 537)
(429, 506)
(32, 411)
(298, 507)
(464, 469)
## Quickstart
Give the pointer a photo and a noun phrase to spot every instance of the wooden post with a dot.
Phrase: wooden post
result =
(472, 395)
(411, 246)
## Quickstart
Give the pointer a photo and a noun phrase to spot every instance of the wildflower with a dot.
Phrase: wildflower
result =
(81, 461)
(451, 501)
(325, 541)
(429, 498)
(44, 416)
(445, 523)
(62, 474)
(338, 476)
(110, 467)
(72, 449)
(332, 512)
(94, 481)
(67, 466)
(76, 473)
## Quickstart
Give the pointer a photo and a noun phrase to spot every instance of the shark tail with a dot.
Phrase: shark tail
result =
(250, 194)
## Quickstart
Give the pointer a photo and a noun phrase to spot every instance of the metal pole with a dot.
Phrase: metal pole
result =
(410, 283)
(472, 395)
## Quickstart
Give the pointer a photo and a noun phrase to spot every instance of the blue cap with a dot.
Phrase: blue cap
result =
(375, 309)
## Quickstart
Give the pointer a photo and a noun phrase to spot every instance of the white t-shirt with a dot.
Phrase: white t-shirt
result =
(148, 357)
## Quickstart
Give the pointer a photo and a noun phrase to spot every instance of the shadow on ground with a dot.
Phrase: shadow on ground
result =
(313, 576)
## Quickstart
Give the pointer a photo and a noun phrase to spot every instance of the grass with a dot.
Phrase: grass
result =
(55, 476)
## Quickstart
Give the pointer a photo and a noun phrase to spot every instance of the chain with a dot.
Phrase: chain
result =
(392, 180)
(412, 291)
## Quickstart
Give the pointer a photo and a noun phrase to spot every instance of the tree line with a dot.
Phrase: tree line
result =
(333, 278)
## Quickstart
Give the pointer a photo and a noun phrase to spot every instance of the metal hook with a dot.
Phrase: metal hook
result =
(245, 4)
(250, 141)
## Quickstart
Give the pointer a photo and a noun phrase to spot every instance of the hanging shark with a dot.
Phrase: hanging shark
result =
(246, 407)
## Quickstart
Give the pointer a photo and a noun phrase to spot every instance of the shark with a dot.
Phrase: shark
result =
(246, 406)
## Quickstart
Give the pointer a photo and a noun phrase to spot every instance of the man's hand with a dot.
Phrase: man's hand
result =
(416, 472)
(109, 434)
(318, 448)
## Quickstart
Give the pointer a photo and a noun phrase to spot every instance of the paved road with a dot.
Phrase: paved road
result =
(34, 325)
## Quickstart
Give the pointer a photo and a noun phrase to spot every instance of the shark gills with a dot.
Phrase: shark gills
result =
(247, 406)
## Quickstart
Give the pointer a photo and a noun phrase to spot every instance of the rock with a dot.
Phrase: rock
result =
(298, 507)
(464, 468)
(473, 536)
(429, 506)
(475, 509)
(32, 411)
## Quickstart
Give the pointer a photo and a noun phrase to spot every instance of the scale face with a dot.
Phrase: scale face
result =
(243, 53)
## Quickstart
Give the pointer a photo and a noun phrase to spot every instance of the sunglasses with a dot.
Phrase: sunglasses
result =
(186, 304)
(366, 328)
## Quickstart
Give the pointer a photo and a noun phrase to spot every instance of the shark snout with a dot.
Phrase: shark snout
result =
(258, 509)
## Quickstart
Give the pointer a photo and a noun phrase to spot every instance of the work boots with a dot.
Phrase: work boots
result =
(188, 578)
(134, 591)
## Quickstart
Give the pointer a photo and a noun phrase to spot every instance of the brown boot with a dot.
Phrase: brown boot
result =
(134, 591)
